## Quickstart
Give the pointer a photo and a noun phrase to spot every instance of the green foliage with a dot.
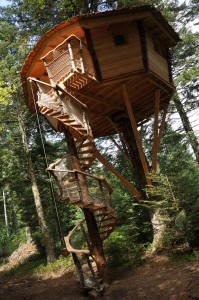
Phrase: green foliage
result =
(60, 263)
(11, 244)
(38, 267)
(121, 248)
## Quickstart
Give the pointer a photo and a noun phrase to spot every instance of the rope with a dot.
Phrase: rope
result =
(49, 176)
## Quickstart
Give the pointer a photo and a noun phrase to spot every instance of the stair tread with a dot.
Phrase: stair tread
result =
(86, 158)
(107, 225)
(86, 151)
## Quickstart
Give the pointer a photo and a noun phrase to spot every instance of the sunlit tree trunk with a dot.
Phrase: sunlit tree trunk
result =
(6, 216)
(187, 127)
(47, 240)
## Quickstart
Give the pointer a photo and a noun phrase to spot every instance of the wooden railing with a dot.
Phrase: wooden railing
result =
(68, 57)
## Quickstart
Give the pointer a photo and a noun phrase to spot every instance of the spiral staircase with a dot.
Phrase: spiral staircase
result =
(61, 107)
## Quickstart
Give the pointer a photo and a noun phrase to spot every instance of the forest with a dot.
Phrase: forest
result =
(31, 211)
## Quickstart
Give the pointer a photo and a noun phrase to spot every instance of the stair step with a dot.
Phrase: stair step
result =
(84, 166)
(45, 109)
(55, 114)
(101, 214)
(107, 225)
(72, 121)
(86, 151)
(86, 158)
(82, 131)
(103, 232)
(87, 144)
(78, 126)
(64, 117)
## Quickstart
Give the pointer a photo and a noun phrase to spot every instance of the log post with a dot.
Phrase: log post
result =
(96, 242)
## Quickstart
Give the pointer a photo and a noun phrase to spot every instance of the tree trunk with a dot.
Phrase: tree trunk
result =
(1, 250)
(158, 225)
(15, 221)
(6, 216)
(187, 127)
(96, 242)
(140, 179)
(47, 240)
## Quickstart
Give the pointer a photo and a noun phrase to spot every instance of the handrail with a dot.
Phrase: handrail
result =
(102, 179)
(67, 241)
(62, 43)
(56, 87)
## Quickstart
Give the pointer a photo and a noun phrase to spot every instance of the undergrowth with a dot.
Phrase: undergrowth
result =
(39, 267)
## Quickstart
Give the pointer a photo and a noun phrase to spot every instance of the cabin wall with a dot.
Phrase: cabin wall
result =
(157, 58)
(115, 60)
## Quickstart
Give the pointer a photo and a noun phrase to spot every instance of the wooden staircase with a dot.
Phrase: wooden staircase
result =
(77, 241)
(55, 103)
(70, 113)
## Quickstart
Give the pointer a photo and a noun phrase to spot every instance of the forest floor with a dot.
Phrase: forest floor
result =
(159, 278)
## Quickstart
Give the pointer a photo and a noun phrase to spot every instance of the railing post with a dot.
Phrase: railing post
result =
(70, 50)
(81, 57)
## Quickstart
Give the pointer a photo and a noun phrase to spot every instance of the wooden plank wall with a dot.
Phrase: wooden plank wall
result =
(117, 60)
(157, 63)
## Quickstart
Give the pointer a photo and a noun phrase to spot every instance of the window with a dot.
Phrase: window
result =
(119, 39)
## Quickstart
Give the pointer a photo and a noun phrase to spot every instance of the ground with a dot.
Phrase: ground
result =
(157, 278)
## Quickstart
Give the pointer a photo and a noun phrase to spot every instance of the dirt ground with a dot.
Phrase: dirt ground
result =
(158, 279)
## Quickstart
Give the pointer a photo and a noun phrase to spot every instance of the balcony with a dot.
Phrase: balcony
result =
(68, 58)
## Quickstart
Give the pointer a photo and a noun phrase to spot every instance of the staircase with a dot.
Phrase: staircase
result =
(77, 241)
(65, 109)
(70, 113)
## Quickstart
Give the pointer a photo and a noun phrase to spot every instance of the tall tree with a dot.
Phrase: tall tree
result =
(10, 62)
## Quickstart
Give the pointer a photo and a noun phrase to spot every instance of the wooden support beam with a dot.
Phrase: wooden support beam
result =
(155, 133)
(128, 185)
(72, 61)
(117, 130)
(92, 97)
(136, 134)
(120, 149)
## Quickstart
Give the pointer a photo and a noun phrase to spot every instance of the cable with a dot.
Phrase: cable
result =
(49, 176)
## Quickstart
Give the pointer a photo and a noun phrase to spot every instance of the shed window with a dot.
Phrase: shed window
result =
(119, 39)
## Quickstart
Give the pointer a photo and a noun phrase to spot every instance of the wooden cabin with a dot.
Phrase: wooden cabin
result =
(92, 55)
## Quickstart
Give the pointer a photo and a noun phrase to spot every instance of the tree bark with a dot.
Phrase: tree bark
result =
(158, 225)
(96, 242)
(187, 127)
(127, 131)
(6, 216)
(15, 221)
(1, 250)
(47, 240)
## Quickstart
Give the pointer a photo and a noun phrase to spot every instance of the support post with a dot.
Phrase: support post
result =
(71, 56)
(129, 186)
(136, 134)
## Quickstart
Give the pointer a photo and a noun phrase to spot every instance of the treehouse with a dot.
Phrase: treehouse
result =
(93, 55)
(93, 76)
